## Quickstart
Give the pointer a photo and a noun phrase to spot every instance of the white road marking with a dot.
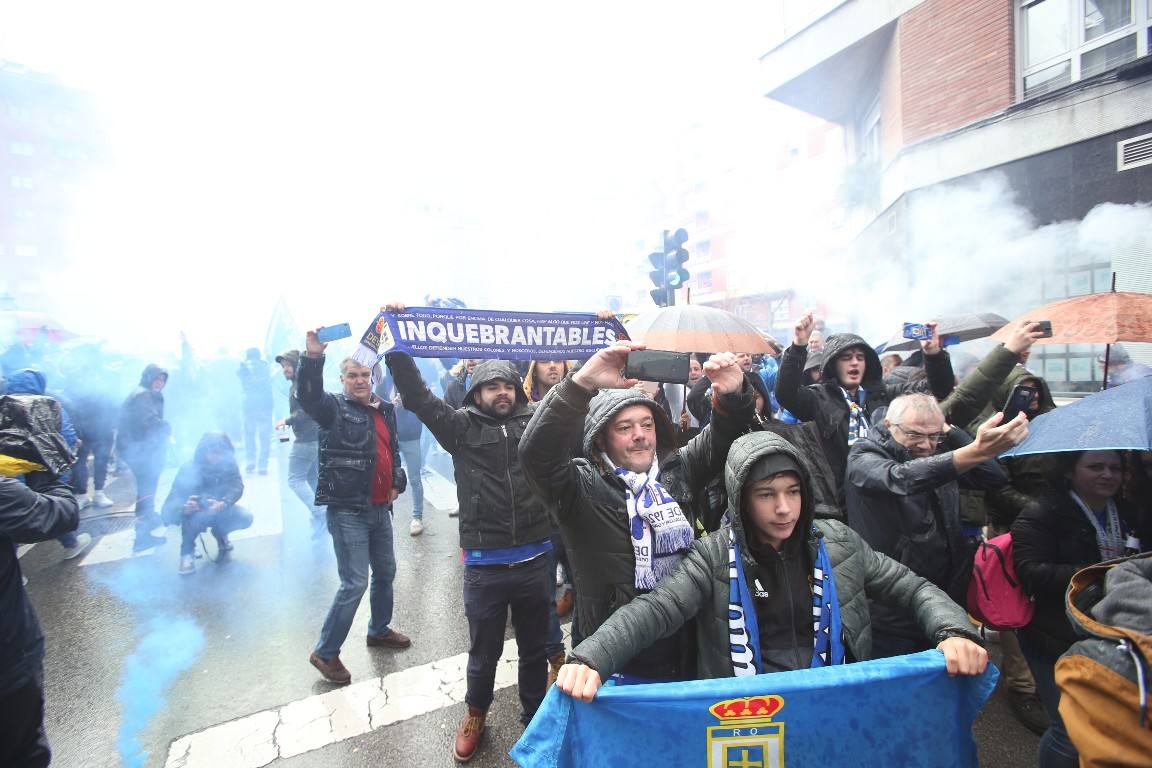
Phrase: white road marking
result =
(23, 549)
(316, 721)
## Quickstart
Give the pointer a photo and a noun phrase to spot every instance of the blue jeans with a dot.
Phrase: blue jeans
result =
(410, 451)
(1056, 749)
(362, 540)
(222, 523)
(303, 473)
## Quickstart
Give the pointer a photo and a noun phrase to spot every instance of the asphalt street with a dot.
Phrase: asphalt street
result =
(147, 667)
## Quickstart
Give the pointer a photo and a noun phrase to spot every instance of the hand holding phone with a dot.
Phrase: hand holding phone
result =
(917, 331)
(657, 365)
(1018, 401)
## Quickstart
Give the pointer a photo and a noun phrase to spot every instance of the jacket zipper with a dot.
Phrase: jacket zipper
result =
(791, 611)
(508, 474)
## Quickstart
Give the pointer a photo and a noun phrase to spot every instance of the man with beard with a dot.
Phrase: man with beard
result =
(505, 533)
(542, 376)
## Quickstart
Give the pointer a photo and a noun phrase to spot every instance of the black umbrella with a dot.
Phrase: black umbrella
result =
(958, 327)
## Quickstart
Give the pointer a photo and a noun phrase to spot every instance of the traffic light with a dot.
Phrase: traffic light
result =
(668, 271)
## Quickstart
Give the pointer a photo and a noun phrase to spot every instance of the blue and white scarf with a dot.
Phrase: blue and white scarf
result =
(661, 535)
(857, 418)
(744, 633)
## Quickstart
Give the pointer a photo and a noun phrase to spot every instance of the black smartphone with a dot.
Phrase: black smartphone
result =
(333, 332)
(1046, 329)
(1018, 401)
(656, 365)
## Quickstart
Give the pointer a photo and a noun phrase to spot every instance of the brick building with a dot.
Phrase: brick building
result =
(1048, 101)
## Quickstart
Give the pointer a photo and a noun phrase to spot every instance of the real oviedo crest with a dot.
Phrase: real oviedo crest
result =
(746, 737)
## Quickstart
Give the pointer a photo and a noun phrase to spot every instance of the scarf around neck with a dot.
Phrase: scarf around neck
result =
(857, 419)
(661, 535)
(743, 629)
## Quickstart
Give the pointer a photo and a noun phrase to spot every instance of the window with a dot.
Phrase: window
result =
(1062, 41)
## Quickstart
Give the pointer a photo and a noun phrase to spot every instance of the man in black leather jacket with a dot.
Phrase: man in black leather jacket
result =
(360, 477)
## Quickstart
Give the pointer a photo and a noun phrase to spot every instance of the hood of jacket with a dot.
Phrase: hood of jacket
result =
(1111, 600)
(213, 441)
(1000, 396)
(839, 342)
(905, 379)
(27, 381)
(744, 454)
(491, 370)
(530, 379)
(150, 374)
(290, 356)
(609, 402)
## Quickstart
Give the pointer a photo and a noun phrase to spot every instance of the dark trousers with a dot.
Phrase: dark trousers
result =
(23, 743)
(257, 438)
(146, 469)
(222, 523)
(99, 447)
(489, 593)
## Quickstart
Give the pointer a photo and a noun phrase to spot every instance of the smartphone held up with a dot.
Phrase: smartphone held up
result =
(657, 365)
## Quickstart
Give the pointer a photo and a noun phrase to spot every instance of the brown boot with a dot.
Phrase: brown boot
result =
(333, 670)
(469, 734)
(564, 604)
(555, 661)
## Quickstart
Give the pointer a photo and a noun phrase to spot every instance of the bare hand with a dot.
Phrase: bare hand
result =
(605, 314)
(393, 495)
(395, 306)
(963, 656)
(215, 505)
(803, 330)
(192, 506)
(578, 681)
(725, 373)
(1023, 335)
(281, 424)
(993, 438)
(605, 369)
(313, 347)
(931, 345)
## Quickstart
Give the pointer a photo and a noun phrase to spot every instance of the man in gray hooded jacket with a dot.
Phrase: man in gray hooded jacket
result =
(777, 554)
(628, 508)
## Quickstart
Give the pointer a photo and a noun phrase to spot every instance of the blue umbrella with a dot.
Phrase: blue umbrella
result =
(1116, 419)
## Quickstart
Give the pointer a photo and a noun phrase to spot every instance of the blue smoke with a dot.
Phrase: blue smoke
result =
(168, 648)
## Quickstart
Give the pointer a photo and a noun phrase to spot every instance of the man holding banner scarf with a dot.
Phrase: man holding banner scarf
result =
(504, 531)
(774, 590)
(627, 509)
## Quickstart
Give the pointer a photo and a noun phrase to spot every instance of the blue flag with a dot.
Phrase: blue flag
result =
(903, 711)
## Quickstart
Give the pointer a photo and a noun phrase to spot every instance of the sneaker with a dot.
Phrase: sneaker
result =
(101, 500)
(390, 639)
(222, 543)
(555, 661)
(332, 670)
(187, 565)
(564, 603)
(1029, 711)
(82, 541)
(249, 468)
(469, 735)
(147, 541)
(416, 527)
(83, 501)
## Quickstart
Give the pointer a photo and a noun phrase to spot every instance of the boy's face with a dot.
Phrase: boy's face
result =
(773, 506)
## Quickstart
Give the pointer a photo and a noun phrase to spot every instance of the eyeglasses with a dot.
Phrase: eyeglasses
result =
(919, 436)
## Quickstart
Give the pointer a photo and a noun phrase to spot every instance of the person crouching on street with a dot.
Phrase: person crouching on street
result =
(760, 587)
(204, 495)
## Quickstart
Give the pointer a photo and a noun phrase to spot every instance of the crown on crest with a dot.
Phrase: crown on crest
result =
(752, 706)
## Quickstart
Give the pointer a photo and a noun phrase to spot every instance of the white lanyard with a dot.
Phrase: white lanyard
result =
(1111, 538)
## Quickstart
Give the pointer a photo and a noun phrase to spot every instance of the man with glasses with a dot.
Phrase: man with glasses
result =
(903, 499)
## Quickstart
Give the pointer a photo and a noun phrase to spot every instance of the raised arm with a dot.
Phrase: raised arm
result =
(790, 390)
(445, 423)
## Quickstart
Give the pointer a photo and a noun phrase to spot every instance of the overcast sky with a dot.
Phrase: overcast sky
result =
(340, 154)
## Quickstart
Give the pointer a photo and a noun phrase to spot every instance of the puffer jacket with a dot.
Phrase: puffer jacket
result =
(909, 509)
(347, 440)
(1104, 680)
(497, 506)
(1051, 541)
(143, 432)
(699, 588)
(824, 402)
(590, 502)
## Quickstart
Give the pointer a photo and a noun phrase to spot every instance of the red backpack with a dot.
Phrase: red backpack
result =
(995, 596)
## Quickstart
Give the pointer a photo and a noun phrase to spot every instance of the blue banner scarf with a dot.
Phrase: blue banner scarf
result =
(487, 334)
(743, 629)
(904, 710)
